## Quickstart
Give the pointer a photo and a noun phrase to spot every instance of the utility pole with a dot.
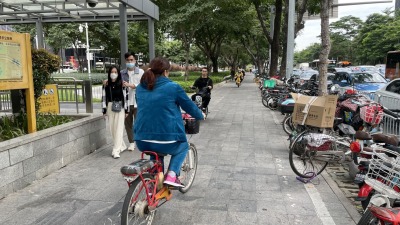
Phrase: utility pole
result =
(271, 31)
(290, 39)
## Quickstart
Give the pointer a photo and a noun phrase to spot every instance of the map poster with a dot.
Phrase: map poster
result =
(14, 62)
(10, 61)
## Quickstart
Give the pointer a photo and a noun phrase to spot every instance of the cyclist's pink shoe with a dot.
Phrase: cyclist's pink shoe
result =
(173, 181)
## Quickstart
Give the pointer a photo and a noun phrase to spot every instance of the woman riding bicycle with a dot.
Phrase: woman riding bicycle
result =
(158, 126)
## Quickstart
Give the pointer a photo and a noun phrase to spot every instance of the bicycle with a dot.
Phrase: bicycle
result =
(312, 149)
(145, 180)
(383, 176)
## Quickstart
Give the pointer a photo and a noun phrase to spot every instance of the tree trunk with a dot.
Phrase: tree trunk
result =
(260, 65)
(214, 61)
(326, 47)
(276, 39)
(187, 55)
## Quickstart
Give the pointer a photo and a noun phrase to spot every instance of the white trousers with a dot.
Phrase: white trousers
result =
(116, 121)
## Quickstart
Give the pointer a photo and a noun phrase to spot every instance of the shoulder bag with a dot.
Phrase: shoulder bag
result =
(116, 106)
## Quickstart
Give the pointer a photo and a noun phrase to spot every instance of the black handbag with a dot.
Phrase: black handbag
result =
(116, 106)
(204, 92)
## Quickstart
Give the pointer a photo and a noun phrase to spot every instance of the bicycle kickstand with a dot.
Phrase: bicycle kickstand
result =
(307, 180)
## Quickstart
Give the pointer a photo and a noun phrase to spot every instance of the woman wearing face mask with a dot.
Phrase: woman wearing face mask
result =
(115, 106)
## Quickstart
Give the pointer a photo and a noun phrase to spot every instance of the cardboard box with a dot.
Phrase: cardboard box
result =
(318, 111)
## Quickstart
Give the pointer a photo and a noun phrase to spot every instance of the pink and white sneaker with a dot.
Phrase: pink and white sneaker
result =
(173, 181)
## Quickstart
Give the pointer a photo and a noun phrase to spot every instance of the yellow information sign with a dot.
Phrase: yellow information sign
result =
(16, 69)
(49, 100)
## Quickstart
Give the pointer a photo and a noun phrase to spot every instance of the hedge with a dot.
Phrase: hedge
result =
(97, 78)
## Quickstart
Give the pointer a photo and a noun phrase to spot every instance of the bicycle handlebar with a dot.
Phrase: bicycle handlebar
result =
(391, 113)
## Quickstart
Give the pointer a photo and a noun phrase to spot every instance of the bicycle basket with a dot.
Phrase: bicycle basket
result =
(319, 142)
(384, 172)
(269, 83)
(192, 126)
(372, 114)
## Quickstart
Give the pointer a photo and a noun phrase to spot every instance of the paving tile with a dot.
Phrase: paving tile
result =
(243, 177)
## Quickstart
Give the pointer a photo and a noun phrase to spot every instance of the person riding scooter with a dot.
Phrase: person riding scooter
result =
(204, 84)
(238, 78)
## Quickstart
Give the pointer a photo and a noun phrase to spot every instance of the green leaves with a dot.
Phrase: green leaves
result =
(43, 65)
(16, 125)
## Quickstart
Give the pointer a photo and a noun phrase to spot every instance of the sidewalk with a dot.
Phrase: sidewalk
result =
(243, 177)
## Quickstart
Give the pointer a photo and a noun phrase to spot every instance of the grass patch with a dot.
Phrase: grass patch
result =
(68, 95)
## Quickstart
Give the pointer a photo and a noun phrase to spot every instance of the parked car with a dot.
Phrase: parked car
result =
(367, 83)
(389, 95)
(67, 69)
(315, 78)
(306, 75)
(339, 69)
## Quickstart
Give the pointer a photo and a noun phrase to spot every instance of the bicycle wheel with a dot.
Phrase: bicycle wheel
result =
(188, 169)
(288, 124)
(368, 219)
(302, 160)
(272, 103)
(135, 208)
(264, 100)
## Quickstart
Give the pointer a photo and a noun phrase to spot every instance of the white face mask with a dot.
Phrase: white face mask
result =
(114, 76)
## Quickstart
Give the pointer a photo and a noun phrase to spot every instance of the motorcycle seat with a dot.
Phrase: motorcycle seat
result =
(361, 135)
(280, 87)
(387, 139)
(365, 163)
(367, 149)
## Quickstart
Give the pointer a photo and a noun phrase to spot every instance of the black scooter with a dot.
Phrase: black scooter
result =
(199, 99)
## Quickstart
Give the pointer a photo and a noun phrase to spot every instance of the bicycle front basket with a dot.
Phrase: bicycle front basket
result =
(192, 126)
(384, 172)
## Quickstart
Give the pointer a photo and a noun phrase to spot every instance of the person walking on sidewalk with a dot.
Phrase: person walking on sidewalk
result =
(131, 78)
(159, 126)
(115, 107)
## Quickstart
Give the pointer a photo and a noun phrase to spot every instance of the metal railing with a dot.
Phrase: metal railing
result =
(390, 124)
(5, 101)
(71, 90)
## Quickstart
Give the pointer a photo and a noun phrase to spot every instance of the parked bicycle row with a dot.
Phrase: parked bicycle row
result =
(340, 128)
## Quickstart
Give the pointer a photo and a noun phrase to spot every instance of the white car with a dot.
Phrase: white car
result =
(67, 69)
(389, 95)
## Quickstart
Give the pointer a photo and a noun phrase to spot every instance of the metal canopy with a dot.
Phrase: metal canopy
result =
(62, 11)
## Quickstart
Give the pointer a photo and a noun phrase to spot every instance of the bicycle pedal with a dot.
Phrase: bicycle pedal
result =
(164, 193)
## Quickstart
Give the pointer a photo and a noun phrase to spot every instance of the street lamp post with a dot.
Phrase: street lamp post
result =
(87, 46)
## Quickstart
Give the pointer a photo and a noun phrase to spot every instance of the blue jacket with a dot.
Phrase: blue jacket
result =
(158, 113)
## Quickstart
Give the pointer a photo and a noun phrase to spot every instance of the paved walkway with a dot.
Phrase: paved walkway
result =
(243, 177)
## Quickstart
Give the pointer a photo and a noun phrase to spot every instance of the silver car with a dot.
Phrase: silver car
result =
(389, 95)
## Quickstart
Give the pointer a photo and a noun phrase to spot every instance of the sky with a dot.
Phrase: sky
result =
(312, 28)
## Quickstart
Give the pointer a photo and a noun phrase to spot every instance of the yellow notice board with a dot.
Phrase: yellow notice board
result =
(49, 100)
(14, 69)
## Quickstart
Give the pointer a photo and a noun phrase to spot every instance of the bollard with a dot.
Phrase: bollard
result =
(88, 96)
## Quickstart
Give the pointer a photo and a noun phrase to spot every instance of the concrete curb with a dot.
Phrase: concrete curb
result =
(354, 214)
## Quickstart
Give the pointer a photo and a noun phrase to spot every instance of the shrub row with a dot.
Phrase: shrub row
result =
(97, 78)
